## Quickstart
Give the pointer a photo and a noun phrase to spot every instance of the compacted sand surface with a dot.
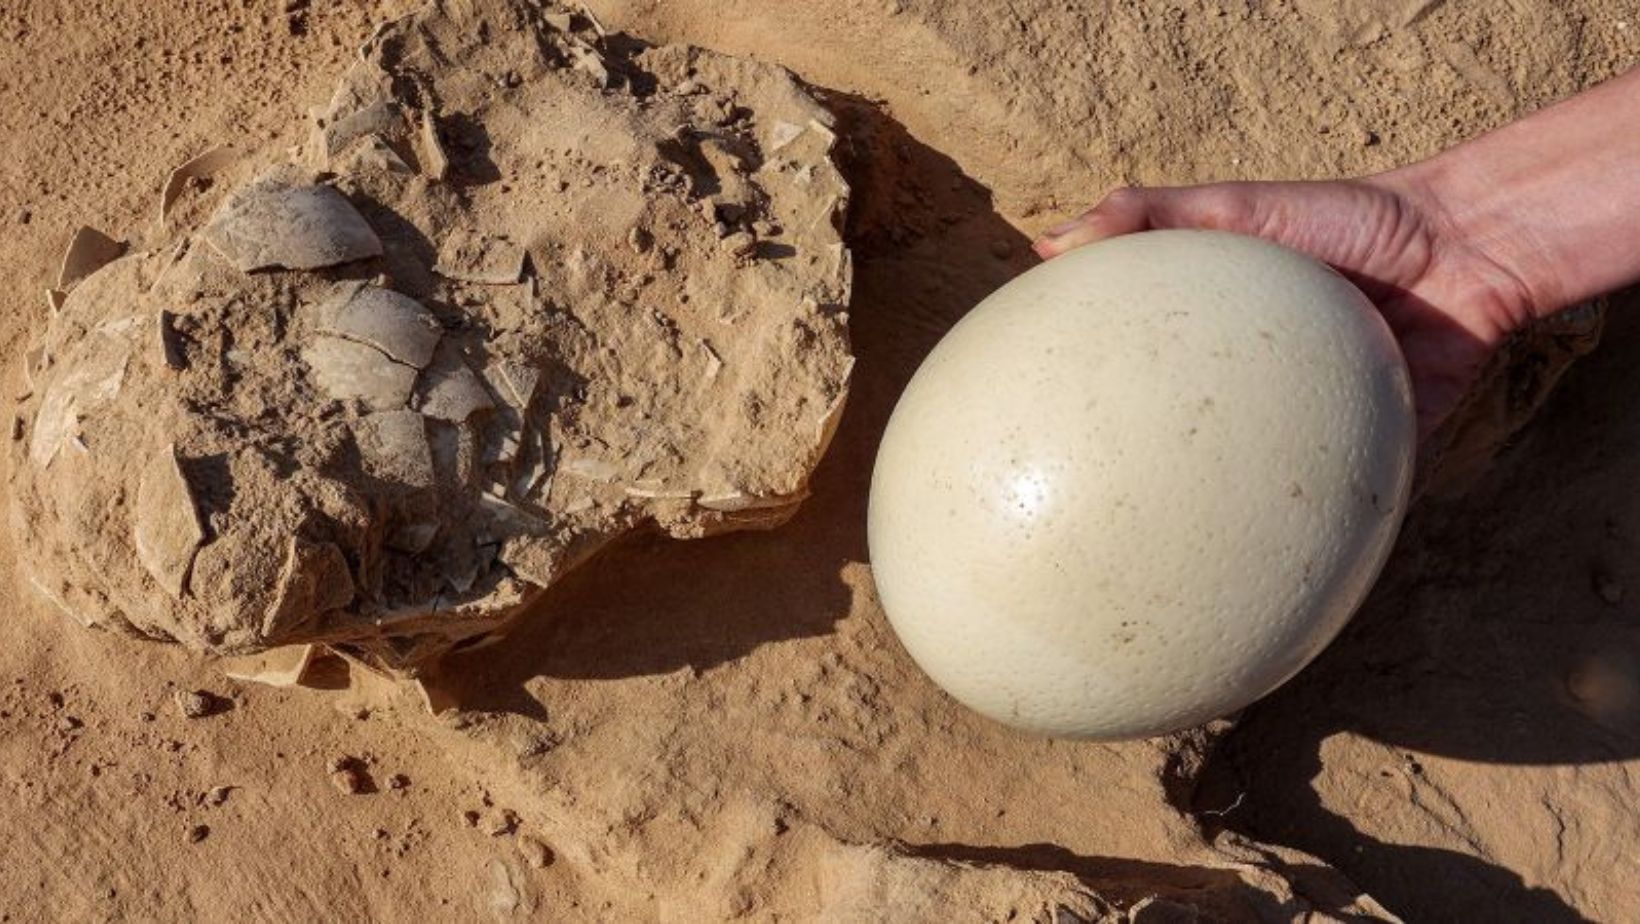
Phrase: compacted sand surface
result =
(725, 728)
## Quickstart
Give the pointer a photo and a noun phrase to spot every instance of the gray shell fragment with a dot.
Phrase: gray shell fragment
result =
(346, 370)
(272, 224)
(380, 118)
(514, 382)
(452, 391)
(394, 446)
(167, 527)
(398, 325)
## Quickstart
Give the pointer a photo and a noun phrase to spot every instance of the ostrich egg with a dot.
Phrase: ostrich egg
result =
(1142, 485)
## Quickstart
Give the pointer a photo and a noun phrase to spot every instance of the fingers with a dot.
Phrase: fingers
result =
(1126, 211)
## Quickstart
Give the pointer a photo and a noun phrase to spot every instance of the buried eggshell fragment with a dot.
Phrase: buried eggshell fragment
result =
(89, 251)
(346, 370)
(314, 579)
(398, 325)
(451, 390)
(272, 224)
(166, 529)
(381, 118)
(394, 445)
(196, 169)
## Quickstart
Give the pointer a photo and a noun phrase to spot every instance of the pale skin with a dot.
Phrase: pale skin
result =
(1457, 251)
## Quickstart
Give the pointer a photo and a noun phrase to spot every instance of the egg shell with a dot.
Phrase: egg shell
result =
(1143, 484)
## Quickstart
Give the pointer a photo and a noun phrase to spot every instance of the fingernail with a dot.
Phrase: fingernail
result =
(1064, 227)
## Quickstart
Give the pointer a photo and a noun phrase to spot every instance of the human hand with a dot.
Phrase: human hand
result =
(1448, 301)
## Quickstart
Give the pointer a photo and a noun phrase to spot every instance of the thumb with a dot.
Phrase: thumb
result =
(1221, 206)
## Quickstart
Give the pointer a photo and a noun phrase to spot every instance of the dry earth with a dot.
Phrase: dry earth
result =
(695, 731)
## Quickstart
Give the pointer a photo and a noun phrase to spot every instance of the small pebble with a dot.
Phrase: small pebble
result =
(469, 817)
(68, 724)
(347, 775)
(218, 794)
(398, 781)
(640, 239)
(198, 833)
(195, 704)
(24, 217)
(536, 852)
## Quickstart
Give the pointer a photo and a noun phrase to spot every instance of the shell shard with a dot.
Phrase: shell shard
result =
(166, 531)
(88, 251)
(435, 163)
(280, 667)
(383, 118)
(346, 370)
(272, 224)
(315, 579)
(451, 390)
(514, 382)
(198, 168)
(395, 447)
(396, 324)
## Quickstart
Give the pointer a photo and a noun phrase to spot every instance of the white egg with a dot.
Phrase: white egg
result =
(1143, 484)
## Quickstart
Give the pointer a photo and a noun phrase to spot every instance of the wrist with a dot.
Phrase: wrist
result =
(1479, 214)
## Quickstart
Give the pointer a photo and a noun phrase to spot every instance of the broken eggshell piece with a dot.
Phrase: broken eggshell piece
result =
(274, 224)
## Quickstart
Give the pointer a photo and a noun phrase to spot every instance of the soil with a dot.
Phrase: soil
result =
(723, 728)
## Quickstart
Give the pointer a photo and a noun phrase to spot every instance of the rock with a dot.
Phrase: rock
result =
(196, 704)
(198, 833)
(348, 775)
(218, 795)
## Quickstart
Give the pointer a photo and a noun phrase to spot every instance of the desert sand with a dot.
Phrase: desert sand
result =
(725, 728)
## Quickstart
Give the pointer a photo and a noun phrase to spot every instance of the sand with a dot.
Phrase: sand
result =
(719, 728)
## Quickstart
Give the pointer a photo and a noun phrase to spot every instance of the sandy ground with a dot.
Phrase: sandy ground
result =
(726, 728)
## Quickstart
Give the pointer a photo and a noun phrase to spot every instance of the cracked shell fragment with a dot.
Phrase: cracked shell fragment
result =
(395, 324)
(272, 224)
(346, 371)
(167, 532)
